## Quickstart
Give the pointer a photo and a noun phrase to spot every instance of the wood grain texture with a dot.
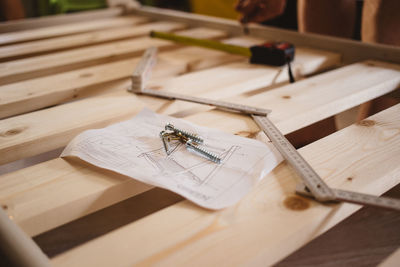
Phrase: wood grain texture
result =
(308, 101)
(61, 19)
(46, 209)
(52, 63)
(89, 81)
(241, 78)
(77, 232)
(97, 199)
(365, 239)
(72, 28)
(338, 90)
(84, 39)
(392, 261)
(35, 93)
(261, 229)
(352, 51)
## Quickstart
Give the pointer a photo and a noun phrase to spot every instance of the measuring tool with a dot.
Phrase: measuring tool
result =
(199, 100)
(313, 185)
(271, 53)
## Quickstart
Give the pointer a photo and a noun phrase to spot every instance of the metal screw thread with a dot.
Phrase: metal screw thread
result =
(197, 139)
(204, 152)
(165, 143)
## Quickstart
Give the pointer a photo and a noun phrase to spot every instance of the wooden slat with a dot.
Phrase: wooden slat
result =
(94, 199)
(241, 78)
(352, 51)
(392, 261)
(79, 40)
(36, 213)
(24, 69)
(337, 90)
(53, 20)
(34, 94)
(72, 28)
(71, 85)
(266, 225)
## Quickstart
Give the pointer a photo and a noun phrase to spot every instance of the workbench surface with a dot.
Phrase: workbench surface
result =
(60, 76)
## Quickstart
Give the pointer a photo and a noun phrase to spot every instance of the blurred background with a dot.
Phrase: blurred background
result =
(17, 9)
(14, 9)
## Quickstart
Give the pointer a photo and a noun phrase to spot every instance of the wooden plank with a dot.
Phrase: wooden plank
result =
(352, 51)
(34, 23)
(241, 78)
(24, 69)
(392, 261)
(365, 238)
(34, 94)
(72, 28)
(338, 90)
(75, 84)
(270, 222)
(36, 213)
(84, 39)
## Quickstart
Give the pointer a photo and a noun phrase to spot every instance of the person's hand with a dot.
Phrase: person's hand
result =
(259, 10)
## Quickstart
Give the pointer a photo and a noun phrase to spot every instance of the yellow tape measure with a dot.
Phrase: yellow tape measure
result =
(233, 49)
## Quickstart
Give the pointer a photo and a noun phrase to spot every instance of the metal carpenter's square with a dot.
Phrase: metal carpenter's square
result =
(313, 185)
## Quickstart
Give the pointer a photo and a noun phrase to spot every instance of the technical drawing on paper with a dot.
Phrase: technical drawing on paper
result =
(134, 148)
(200, 172)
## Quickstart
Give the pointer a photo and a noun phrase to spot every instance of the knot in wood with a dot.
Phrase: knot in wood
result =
(296, 203)
(367, 123)
(247, 134)
(13, 131)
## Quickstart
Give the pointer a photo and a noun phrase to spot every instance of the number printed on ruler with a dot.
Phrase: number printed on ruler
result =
(320, 190)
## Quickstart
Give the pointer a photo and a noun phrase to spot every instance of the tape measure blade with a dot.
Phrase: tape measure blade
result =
(317, 186)
(368, 200)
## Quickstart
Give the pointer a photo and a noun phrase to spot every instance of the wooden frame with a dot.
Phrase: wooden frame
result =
(384, 78)
(33, 23)
(351, 51)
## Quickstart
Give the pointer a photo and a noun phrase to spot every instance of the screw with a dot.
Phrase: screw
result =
(211, 156)
(163, 136)
(197, 139)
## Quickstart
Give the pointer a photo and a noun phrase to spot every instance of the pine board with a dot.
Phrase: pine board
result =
(61, 19)
(84, 39)
(67, 29)
(263, 228)
(46, 210)
(33, 94)
(392, 260)
(242, 78)
(30, 200)
(80, 83)
(32, 67)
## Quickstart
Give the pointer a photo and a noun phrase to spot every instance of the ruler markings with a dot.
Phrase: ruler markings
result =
(356, 198)
(199, 100)
(317, 186)
(313, 183)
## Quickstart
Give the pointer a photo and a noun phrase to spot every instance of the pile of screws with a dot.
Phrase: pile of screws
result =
(191, 140)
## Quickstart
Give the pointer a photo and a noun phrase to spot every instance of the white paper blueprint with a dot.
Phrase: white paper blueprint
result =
(134, 148)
